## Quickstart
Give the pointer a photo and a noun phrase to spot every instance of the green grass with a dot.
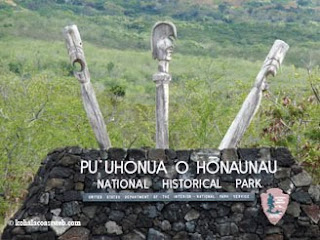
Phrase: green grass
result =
(213, 69)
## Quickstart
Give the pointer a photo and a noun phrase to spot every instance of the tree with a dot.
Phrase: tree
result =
(270, 202)
(223, 7)
(271, 205)
(302, 2)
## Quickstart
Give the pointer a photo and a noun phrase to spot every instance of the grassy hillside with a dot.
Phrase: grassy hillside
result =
(246, 36)
(220, 48)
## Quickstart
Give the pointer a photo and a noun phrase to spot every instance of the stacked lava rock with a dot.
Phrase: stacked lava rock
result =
(56, 195)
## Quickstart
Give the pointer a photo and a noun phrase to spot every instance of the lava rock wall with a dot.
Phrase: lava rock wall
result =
(55, 195)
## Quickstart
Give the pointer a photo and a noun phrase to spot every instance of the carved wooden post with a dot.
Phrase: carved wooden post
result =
(252, 102)
(90, 103)
(163, 34)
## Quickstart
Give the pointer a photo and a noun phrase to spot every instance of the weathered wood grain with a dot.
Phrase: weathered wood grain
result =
(252, 102)
(90, 103)
(162, 36)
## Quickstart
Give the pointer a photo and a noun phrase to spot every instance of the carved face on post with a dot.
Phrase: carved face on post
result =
(164, 49)
(163, 34)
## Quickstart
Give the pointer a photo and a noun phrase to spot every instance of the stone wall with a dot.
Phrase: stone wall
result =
(55, 194)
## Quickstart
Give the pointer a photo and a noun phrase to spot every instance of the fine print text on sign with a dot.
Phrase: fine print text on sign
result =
(172, 197)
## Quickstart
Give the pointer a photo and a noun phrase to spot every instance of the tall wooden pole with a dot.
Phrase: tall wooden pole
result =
(90, 103)
(163, 34)
(252, 102)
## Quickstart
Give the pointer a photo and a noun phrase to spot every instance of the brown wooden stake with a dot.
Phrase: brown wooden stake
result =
(252, 102)
(90, 103)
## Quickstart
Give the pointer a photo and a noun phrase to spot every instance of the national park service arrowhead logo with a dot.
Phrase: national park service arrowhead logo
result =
(274, 203)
